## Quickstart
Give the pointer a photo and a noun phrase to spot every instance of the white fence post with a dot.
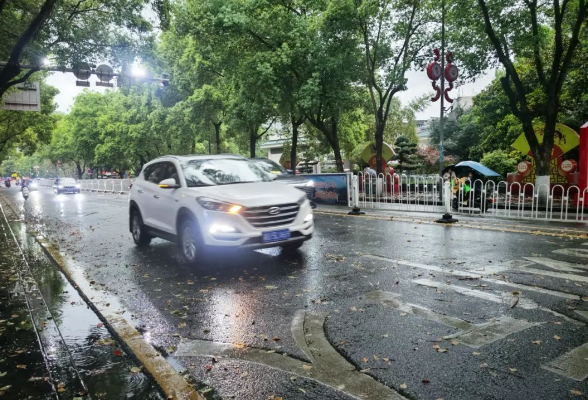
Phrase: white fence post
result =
(355, 196)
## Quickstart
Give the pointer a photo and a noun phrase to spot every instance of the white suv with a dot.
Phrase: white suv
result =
(222, 201)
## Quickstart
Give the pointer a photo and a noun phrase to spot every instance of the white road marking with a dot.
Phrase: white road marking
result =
(573, 364)
(581, 253)
(472, 335)
(583, 314)
(503, 298)
(557, 265)
(571, 277)
(480, 276)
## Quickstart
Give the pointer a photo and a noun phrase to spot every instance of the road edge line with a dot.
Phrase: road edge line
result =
(173, 385)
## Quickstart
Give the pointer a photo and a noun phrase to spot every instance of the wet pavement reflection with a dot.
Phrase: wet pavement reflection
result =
(61, 349)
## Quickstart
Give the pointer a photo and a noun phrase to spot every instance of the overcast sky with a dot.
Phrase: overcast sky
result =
(418, 84)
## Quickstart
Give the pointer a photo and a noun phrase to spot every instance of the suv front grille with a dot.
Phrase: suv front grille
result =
(270, 216)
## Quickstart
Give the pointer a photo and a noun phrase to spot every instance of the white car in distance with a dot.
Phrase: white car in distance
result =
(216, 202)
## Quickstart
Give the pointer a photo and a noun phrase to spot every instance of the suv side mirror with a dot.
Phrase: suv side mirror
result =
(169, 183)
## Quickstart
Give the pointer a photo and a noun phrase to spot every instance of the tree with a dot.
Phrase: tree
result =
(405, 154)
(500, 161)
(69, 32)
(546, 33)
(393, 33)
(28, 129)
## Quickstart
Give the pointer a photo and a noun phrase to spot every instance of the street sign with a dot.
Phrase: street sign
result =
(105, 75)
(27, 97)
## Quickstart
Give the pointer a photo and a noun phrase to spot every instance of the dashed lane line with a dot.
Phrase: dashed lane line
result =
(520, 267)
(472, 335)
(580, 253)
(557, 265)
(503, 298)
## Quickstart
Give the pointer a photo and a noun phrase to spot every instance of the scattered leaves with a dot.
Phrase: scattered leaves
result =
(573, 391)
(306, 367)
(117, 352)
(21, 366)
(425, 381)
(557, 337)
(475, 353)
(537, 342)
(403, 386)
(135, 370)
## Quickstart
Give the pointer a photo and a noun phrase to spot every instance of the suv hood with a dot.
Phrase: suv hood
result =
(252, 194)
(294, 180)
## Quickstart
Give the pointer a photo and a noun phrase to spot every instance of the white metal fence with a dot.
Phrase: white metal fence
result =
(98, 185)
(424, 193)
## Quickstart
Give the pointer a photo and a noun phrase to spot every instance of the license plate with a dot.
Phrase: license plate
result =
(275, 236)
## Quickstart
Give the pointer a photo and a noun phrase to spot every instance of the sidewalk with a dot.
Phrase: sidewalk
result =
(556, 228)
(52, 346)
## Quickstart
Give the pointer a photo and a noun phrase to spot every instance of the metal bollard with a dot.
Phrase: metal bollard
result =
(355, 194)
(447, 218)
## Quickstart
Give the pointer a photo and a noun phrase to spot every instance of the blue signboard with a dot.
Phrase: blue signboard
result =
(331, 188)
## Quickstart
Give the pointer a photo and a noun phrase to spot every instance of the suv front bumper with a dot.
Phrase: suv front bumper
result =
(247, 236)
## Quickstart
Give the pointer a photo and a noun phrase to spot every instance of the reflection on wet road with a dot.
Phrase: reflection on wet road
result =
(431, 274)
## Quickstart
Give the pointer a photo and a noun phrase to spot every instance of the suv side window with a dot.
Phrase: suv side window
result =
(171, 172)
(154, 173)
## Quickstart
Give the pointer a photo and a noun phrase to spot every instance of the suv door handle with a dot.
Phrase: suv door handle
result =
(139, 191)
(156, 196)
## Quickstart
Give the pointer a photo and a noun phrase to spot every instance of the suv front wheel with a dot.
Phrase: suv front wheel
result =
(189, 241)
(140, 236)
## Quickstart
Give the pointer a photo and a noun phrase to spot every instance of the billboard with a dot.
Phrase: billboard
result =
(331, 188)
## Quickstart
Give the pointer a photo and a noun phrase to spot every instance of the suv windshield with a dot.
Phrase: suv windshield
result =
(271, 167)
(67, 181)
(225, 171)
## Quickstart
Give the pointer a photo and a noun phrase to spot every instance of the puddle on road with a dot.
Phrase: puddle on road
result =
(81, 354)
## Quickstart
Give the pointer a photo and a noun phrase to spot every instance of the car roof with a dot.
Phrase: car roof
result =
(198, 157)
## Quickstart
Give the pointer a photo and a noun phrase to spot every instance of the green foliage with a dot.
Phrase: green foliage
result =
(405, 154)
(28, 129)
(500, 161)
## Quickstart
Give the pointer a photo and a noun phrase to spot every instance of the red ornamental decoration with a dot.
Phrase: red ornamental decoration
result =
(434, 72)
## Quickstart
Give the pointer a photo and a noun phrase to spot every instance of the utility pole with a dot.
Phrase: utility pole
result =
(442, 110)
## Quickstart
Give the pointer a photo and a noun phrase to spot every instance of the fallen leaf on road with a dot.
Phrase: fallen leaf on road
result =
(513, 369)
(135, 370)
(425, 380)
(403, 314)
(403, 386)
(442, 351)
(5, 388)
(514, 302)
(483, 365)
(270, 287)
(21, 366)
(573, 391)
(556, 337)
(100, 325)
(454, 342)
(365, 359)
(536, 342)
(275, 338)
(385, 335)
(307, 367)
(117, 352)
(3, 374)
(302, 390)
(436, 346)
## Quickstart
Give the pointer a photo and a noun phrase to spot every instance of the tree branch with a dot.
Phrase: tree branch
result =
(268, 128)
(532, 4)
(22, 79)
(2, 4)
(574, 41)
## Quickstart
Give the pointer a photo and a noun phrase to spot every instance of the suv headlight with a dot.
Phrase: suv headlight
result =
(216, 205)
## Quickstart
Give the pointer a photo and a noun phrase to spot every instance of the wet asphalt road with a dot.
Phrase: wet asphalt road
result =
(392, 294)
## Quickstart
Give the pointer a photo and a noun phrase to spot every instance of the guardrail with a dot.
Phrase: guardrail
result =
(120, 186)
(514, 200)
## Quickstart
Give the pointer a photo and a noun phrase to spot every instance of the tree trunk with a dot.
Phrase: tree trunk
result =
(252, 142)
(336, 147)
(217, 136)
(79, 170)
(294, 146)
(12, 69)
(379, 146)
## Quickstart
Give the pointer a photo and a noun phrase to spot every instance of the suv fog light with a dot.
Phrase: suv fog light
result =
(308, 218)
(221, 229)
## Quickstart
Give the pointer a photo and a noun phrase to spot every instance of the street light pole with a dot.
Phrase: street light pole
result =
(441, 112)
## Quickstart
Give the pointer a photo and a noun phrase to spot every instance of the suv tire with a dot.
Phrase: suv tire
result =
(189, 241)
(140, 236)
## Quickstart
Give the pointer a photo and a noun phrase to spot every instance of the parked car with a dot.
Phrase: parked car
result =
(216, 201)
(284, 176)
(66, 185)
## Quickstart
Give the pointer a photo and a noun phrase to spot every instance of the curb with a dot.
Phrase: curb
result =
(174, 386)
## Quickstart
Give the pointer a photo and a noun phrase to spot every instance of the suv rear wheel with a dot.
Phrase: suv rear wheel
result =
(140, 236)
(190, 243)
